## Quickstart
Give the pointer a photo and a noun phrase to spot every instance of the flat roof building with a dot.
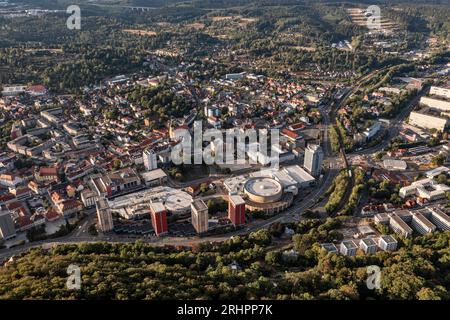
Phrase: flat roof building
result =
(422, 224)
(426, 188)
(368, 245)
(175, 201)
(399, 226)
(288, 177)
(155, 177)
(440, 92)
(387, 243)
(438, 104)
(303, 178)
(263, 189)
(426, 120)
(348, 248)
(13, 90)
(392, 164)
(382, 218)
(431, 174)
(330, 247)
(405, 215)
(440, 218)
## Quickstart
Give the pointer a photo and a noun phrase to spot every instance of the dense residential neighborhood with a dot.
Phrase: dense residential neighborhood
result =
(326, 146)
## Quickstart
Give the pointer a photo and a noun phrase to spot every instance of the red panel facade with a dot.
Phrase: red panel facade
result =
(159, 222)
(236, 213)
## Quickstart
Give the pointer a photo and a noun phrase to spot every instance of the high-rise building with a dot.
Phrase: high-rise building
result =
(236, 210)
(159, 218)
(199, 216)
(150, 160)
(104, 216)
(7, 229)
(313, 159)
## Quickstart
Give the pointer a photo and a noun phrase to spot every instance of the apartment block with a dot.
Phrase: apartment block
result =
(368, 245)
(421, 224)
(330, 247)
(399, 226)
(441, 92)
(428, 121)
(382, 218)
(387, 243)
(438, 104)
(440, 218)
(348, 248)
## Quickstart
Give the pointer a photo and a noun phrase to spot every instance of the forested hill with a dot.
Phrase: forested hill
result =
(217, 4)
(277, 35)
(419, 270)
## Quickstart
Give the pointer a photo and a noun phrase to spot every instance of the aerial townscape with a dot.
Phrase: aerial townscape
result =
(327, 122)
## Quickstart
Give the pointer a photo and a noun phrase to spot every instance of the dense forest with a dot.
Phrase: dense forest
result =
(40, 49)
(418, 270)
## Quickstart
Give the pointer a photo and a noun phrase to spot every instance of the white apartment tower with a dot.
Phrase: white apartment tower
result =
(313, 159)
(150, 160)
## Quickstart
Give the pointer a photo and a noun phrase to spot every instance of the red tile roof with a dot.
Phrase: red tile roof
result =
(7, 176)
(5, 194)
(297, 126)
(52, 214)
(48, 171)
(69, 204)
(14, 205)
(290, 134)
(24, 221)
(37, 89)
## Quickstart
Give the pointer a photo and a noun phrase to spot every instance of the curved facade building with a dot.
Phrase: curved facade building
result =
(263, 190)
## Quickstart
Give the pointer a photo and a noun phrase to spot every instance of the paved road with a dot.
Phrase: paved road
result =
(394, 125)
